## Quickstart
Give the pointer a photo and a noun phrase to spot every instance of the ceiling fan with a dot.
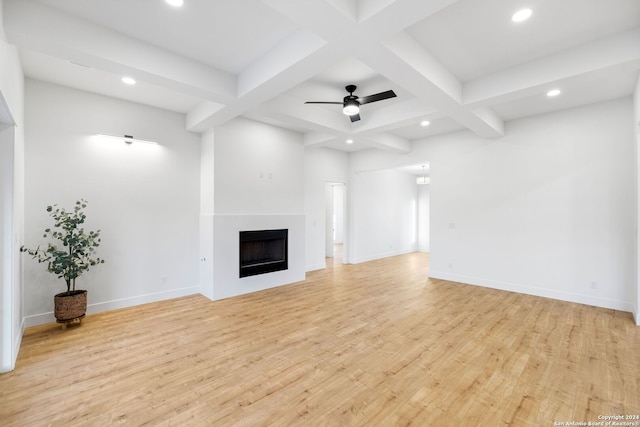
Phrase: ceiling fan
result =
(351, 103)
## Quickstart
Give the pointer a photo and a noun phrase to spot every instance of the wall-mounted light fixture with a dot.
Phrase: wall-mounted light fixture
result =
(127, 139)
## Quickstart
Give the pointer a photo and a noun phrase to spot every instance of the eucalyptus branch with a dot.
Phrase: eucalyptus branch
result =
(74, 249)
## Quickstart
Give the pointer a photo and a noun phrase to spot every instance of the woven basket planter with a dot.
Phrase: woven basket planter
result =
(70, 306)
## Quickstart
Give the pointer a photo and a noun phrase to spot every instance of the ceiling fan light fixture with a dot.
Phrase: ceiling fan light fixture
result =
(351, 103)
(351, 107)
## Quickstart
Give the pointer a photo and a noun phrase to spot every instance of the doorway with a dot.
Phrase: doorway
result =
(335, 223)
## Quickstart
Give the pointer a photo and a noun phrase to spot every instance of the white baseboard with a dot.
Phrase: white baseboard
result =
(636, 316)
(536, 291)
(17, 341)
(380, 256)
(40, 319)
(316, 267)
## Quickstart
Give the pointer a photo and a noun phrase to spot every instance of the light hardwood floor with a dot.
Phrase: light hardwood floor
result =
(373, 344)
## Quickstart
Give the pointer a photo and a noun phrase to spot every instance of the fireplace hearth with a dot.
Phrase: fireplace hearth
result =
(263, 251)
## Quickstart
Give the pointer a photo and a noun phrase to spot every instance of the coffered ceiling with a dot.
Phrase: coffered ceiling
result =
(456, 64)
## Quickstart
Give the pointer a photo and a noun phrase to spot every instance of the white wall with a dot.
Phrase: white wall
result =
(382, 211)
(12, 205)
(207, 200)
(144, 198)
(549, 209)
(321, 165)
(635, 294)
(258, 185)
(258, 169)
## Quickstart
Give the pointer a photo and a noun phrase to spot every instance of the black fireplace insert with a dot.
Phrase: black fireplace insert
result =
(263, 251)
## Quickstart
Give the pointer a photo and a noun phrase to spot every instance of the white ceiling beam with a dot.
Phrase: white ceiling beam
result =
(368, 8)
(398, 14)
(405, 63)
(36, 27)
(348, 8)
(402, 60)
(317, 139)
(298, 47)
(334, 22)
(327, 126)
(311, 138)
(323, 18)
(6, 118)
(410, 55)
(397, 115)
(297, 58)
(196, 119)
(258, 88)
(577, 63)
(304, 53)
(318, 119)
(387, 142)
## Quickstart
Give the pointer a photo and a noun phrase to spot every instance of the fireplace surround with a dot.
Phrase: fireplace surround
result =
(263, 251)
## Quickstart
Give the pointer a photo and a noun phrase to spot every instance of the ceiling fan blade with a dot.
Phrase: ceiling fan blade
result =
(355, 118)
(377, 97)
(322, 102)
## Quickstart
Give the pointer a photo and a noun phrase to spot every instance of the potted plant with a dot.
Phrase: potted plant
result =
(72, 255)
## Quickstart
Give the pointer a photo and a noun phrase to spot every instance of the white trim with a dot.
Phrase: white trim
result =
(16, 348)
(381, 256)
(540, 292)
(316, 267)
(5, 112)
(40, 319)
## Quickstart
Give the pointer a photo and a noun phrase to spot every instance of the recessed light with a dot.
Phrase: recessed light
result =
(128, 81)
(425, 123)
(521, 15)
(553, 92)
(349, 141)
(175, 3)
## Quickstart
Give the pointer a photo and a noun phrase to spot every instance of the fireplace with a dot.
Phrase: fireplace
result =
(263, 251)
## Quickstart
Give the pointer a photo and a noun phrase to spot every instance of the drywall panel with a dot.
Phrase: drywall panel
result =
(144, 198)
(258, 169)
(383, 210)
(548, 209)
